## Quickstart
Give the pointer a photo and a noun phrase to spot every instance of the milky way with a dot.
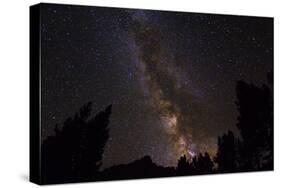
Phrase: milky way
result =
(170, 76)
(160, 79)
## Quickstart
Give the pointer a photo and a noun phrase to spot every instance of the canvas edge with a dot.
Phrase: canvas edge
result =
(34, 96)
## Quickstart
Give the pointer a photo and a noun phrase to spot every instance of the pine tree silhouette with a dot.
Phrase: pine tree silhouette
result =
(75, 152)
(184, 167)
(227, 155)
(202, 164)
(255, 124)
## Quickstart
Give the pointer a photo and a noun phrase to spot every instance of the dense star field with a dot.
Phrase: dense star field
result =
(170, 76)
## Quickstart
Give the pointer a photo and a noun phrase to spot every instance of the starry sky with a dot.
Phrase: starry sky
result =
(170, 76)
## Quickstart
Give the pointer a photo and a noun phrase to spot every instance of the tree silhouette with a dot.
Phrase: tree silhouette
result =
(75, 152)
(255, 124)
(202, 164)
(227, 153)
(93, 140)
(184, 167)
(197, 165)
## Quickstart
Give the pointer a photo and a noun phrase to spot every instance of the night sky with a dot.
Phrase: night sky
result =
(170, 76)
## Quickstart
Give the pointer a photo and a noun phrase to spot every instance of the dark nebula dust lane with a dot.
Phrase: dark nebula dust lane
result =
(170, 76)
